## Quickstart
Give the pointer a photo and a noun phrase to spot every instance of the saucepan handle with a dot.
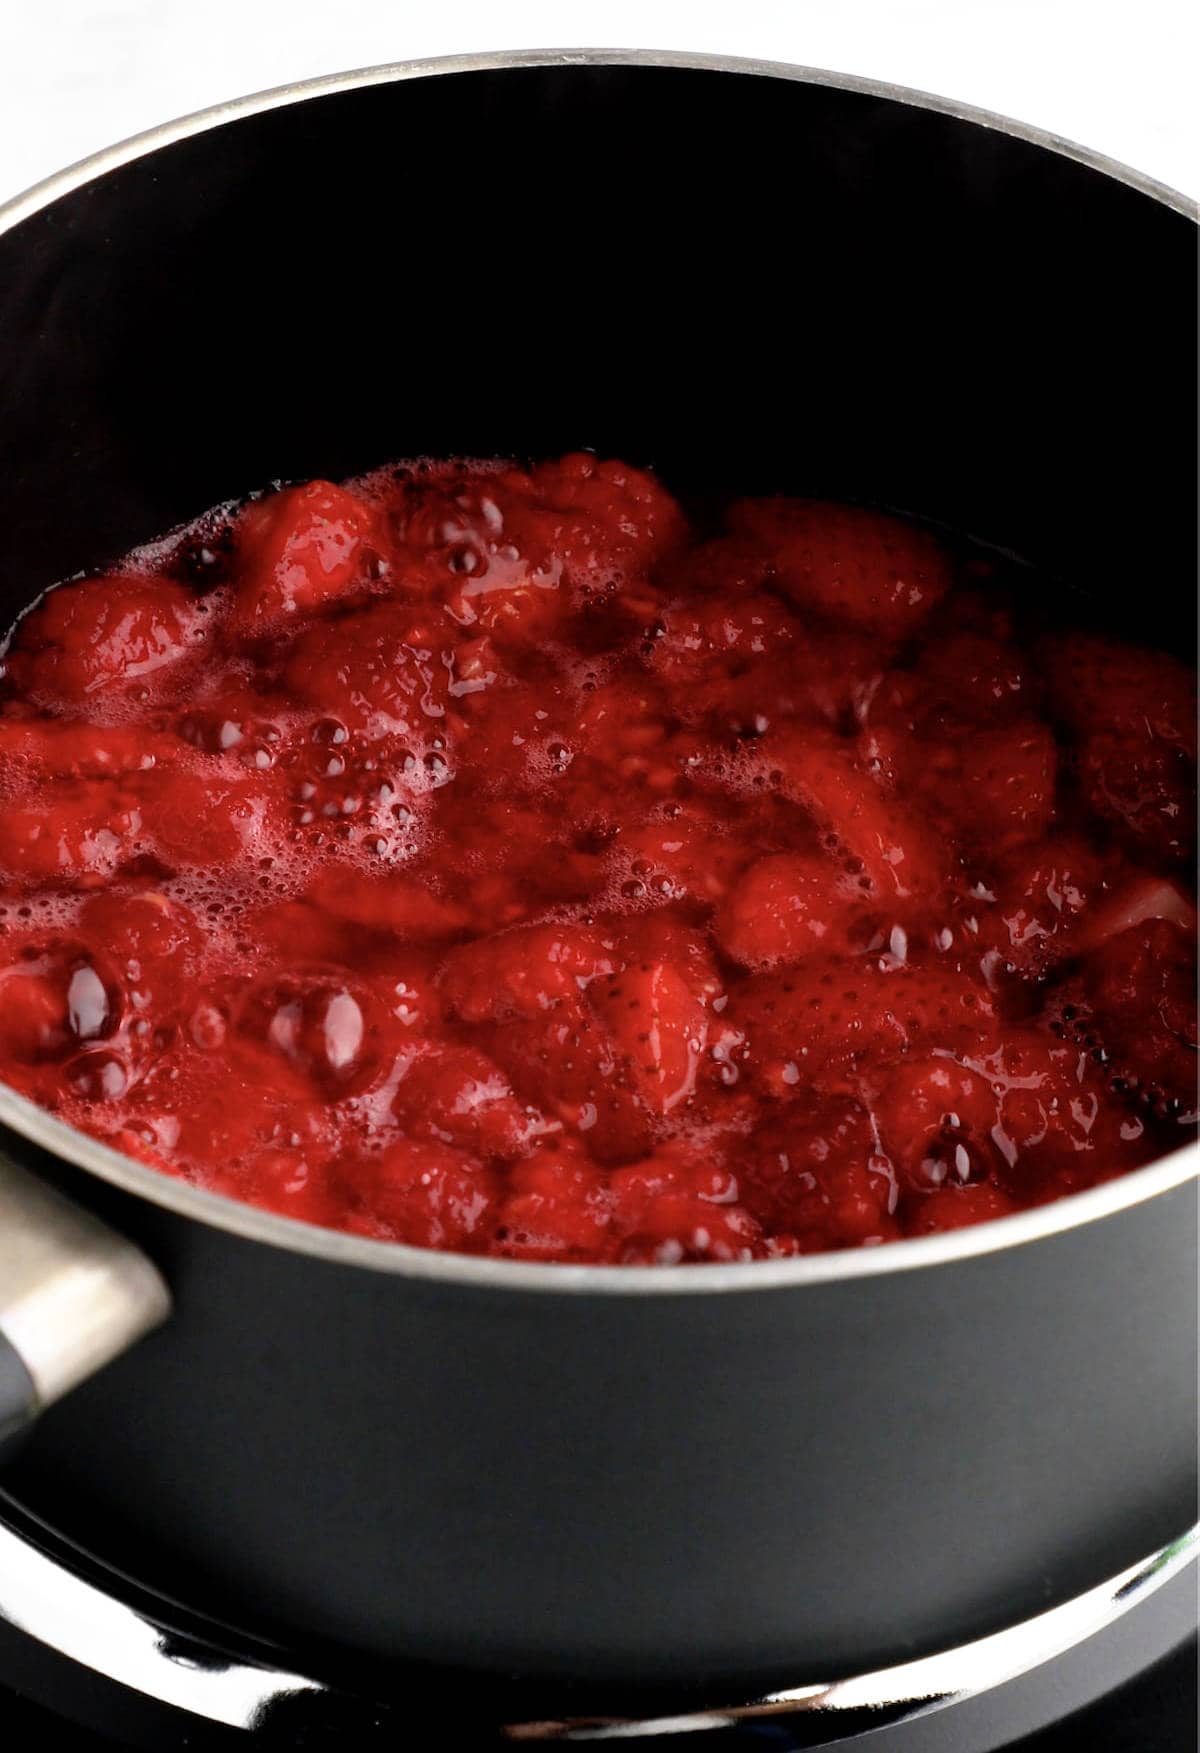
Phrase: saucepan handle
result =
(73, 1296)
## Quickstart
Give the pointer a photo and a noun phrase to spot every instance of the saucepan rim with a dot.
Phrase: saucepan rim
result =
(483, 1273)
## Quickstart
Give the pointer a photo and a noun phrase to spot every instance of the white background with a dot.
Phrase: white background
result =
(1117, 75)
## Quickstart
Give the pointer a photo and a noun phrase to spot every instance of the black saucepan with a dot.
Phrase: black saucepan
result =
(752, 278)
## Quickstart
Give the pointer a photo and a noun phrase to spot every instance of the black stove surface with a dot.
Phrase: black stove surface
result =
(1154, 1713)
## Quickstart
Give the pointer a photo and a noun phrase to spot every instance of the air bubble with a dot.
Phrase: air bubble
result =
(329, 732)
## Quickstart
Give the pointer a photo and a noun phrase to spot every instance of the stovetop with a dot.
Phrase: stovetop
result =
(1154, 1713)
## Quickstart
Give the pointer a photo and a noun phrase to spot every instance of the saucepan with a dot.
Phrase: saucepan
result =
(753, 278)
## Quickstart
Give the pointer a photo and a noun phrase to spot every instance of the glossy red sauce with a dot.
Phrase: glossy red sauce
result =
(488, 860)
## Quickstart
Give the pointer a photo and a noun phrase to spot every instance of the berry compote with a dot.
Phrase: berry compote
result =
(489, 859)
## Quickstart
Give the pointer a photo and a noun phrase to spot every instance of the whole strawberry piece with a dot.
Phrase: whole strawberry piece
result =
(555, 1206)
(1040, 904)
(1139, 999)
(1146, 790)
(98, 639)
(935, 1120)
(1133, 713)
(300, 551)
(848, 563)
(890, 851)
(1060, 1128)
(1104, 685)
(525, 972)
(832, 1019)
(787, 906)
(679, 1204)
(820, 1177)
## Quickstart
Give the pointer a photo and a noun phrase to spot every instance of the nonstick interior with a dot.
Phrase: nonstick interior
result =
(749, 283)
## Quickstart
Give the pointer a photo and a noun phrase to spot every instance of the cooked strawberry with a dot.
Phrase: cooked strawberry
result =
(151, 939)
(826, 680)
(403, 983)
(275, 1139)
(374, 797)
(425, 1194)
(1103, 686)
(101, 637)
(980, 605)
(566, 1062)
(517, 737)
(838, 674)
(658, 775)
(519, 549)
(1132, 899)
(202, 818)
(1042, 904)
(139, 1142)
(640, 939)
(902, 709)
(556, 1207)
(730, 566)
(830, 1018)
(888, 850)
(254, 728)
(1146, 791)
(950, 726)
(504, 873)
(608, 522)
(786, 907)
(477, 540)
(502, 592)
(1134, 712)
(821, 1178)
(1004, 790)
(720, 635)
(525, 972)
(875, 571)
(658, 1025)
(71, 831)
(677, 1230)
(935, 1120)
(673, 1168)
(623, 716)
(985, 680)
(473, 665)
(621, 738)
(992, 785)
(32, 750)
(679, 1204)
(920, 722)
(463, 536)
(281, 925)
(389, 902)
(534, 862)
(1025, 1121)
(459, 1096)
(299, 552)
(381, 672)
(296, 1183)
(1137, 999)
(1060, 1127)
(674, 855)
(956, 1208)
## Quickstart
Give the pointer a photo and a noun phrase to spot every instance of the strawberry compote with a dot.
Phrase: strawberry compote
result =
(489, 860)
